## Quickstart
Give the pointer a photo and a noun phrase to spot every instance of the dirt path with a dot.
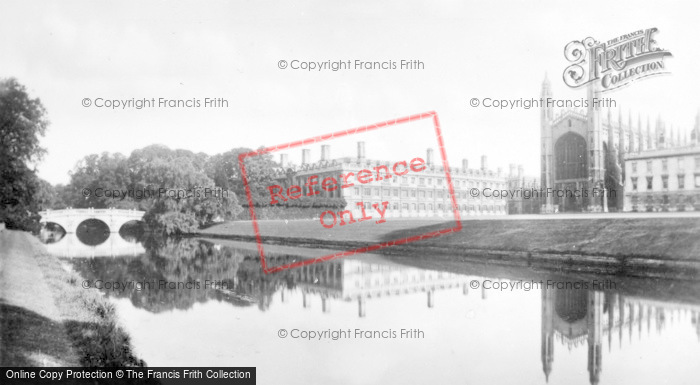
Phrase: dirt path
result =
(31, 326)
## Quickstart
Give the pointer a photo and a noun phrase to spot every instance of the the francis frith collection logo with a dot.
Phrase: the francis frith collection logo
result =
(614, 63)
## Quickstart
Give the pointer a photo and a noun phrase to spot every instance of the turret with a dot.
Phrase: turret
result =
(695, 135)
(547, 109)
(660, 133)
(546, 116)
(672, 137)
(594, 129)
(630, 131)
(640, 136)
(621, 143)
(611, 135)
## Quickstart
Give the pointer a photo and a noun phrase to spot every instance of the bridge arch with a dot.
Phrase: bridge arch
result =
(70, 219)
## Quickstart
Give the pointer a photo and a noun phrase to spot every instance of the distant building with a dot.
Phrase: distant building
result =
(519, 184)
(588, 154)
(422, 194)
(663, 179)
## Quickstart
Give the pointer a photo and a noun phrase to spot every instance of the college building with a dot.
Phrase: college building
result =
(663, 179)
(415, 194)
(615, 164)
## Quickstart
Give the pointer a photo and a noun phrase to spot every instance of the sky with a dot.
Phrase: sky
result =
(68, 51)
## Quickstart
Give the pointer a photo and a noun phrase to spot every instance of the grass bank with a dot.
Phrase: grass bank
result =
(47, 318)
(626, 244)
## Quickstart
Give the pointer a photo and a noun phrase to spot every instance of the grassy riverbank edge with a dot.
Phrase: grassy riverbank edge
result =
(87, 317)
(638, 247)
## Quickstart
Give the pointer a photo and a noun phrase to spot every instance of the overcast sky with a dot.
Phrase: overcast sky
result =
(70, 50)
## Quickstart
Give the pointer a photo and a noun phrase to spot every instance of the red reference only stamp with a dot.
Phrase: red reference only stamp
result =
(343, 182)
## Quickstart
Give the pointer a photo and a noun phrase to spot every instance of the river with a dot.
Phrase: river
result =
(368, 319)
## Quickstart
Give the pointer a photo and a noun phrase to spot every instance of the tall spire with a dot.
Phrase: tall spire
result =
(672, 137)
(547, 110)
(660, 133)
(611, 134)
(619, 117)
(639, 132)
(697, 127)
(621, 145)
(695, 134)
(650, 143)
(630, 131)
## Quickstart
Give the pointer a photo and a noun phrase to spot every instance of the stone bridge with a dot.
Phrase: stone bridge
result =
(69, 219)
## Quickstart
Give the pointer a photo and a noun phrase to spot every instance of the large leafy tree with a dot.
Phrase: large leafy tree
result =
(22, 121)
(179, 171)
(101, 175)
(225, 170)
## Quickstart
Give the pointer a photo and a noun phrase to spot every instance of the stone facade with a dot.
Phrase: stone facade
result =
(423, 194)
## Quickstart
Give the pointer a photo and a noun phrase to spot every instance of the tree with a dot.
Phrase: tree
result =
(224, 169)
(101, 175)
(22, 121)
(187, 202)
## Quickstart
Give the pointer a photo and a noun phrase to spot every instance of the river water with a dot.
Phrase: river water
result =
(370, 319)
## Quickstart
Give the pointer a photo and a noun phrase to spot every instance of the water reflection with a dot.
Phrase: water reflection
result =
(467, 324)
(72, 246)
(577, 317)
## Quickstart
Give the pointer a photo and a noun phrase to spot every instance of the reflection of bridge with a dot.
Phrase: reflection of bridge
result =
(115, 245)
(69, 219)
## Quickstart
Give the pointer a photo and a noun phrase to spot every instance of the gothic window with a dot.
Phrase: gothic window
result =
(570, 156)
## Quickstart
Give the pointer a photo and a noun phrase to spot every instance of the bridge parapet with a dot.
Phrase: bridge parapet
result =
(71, 218)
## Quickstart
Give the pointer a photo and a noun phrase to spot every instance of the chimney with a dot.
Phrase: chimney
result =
(465, 164)
(361, 150)
(326, 152)
(284, 160)
(500, 170)
(512, 170)
(484, 163)
(305, 156)
(429, 155)
(520, 171)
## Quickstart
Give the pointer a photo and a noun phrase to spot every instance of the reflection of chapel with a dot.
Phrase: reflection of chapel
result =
(577, 317)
